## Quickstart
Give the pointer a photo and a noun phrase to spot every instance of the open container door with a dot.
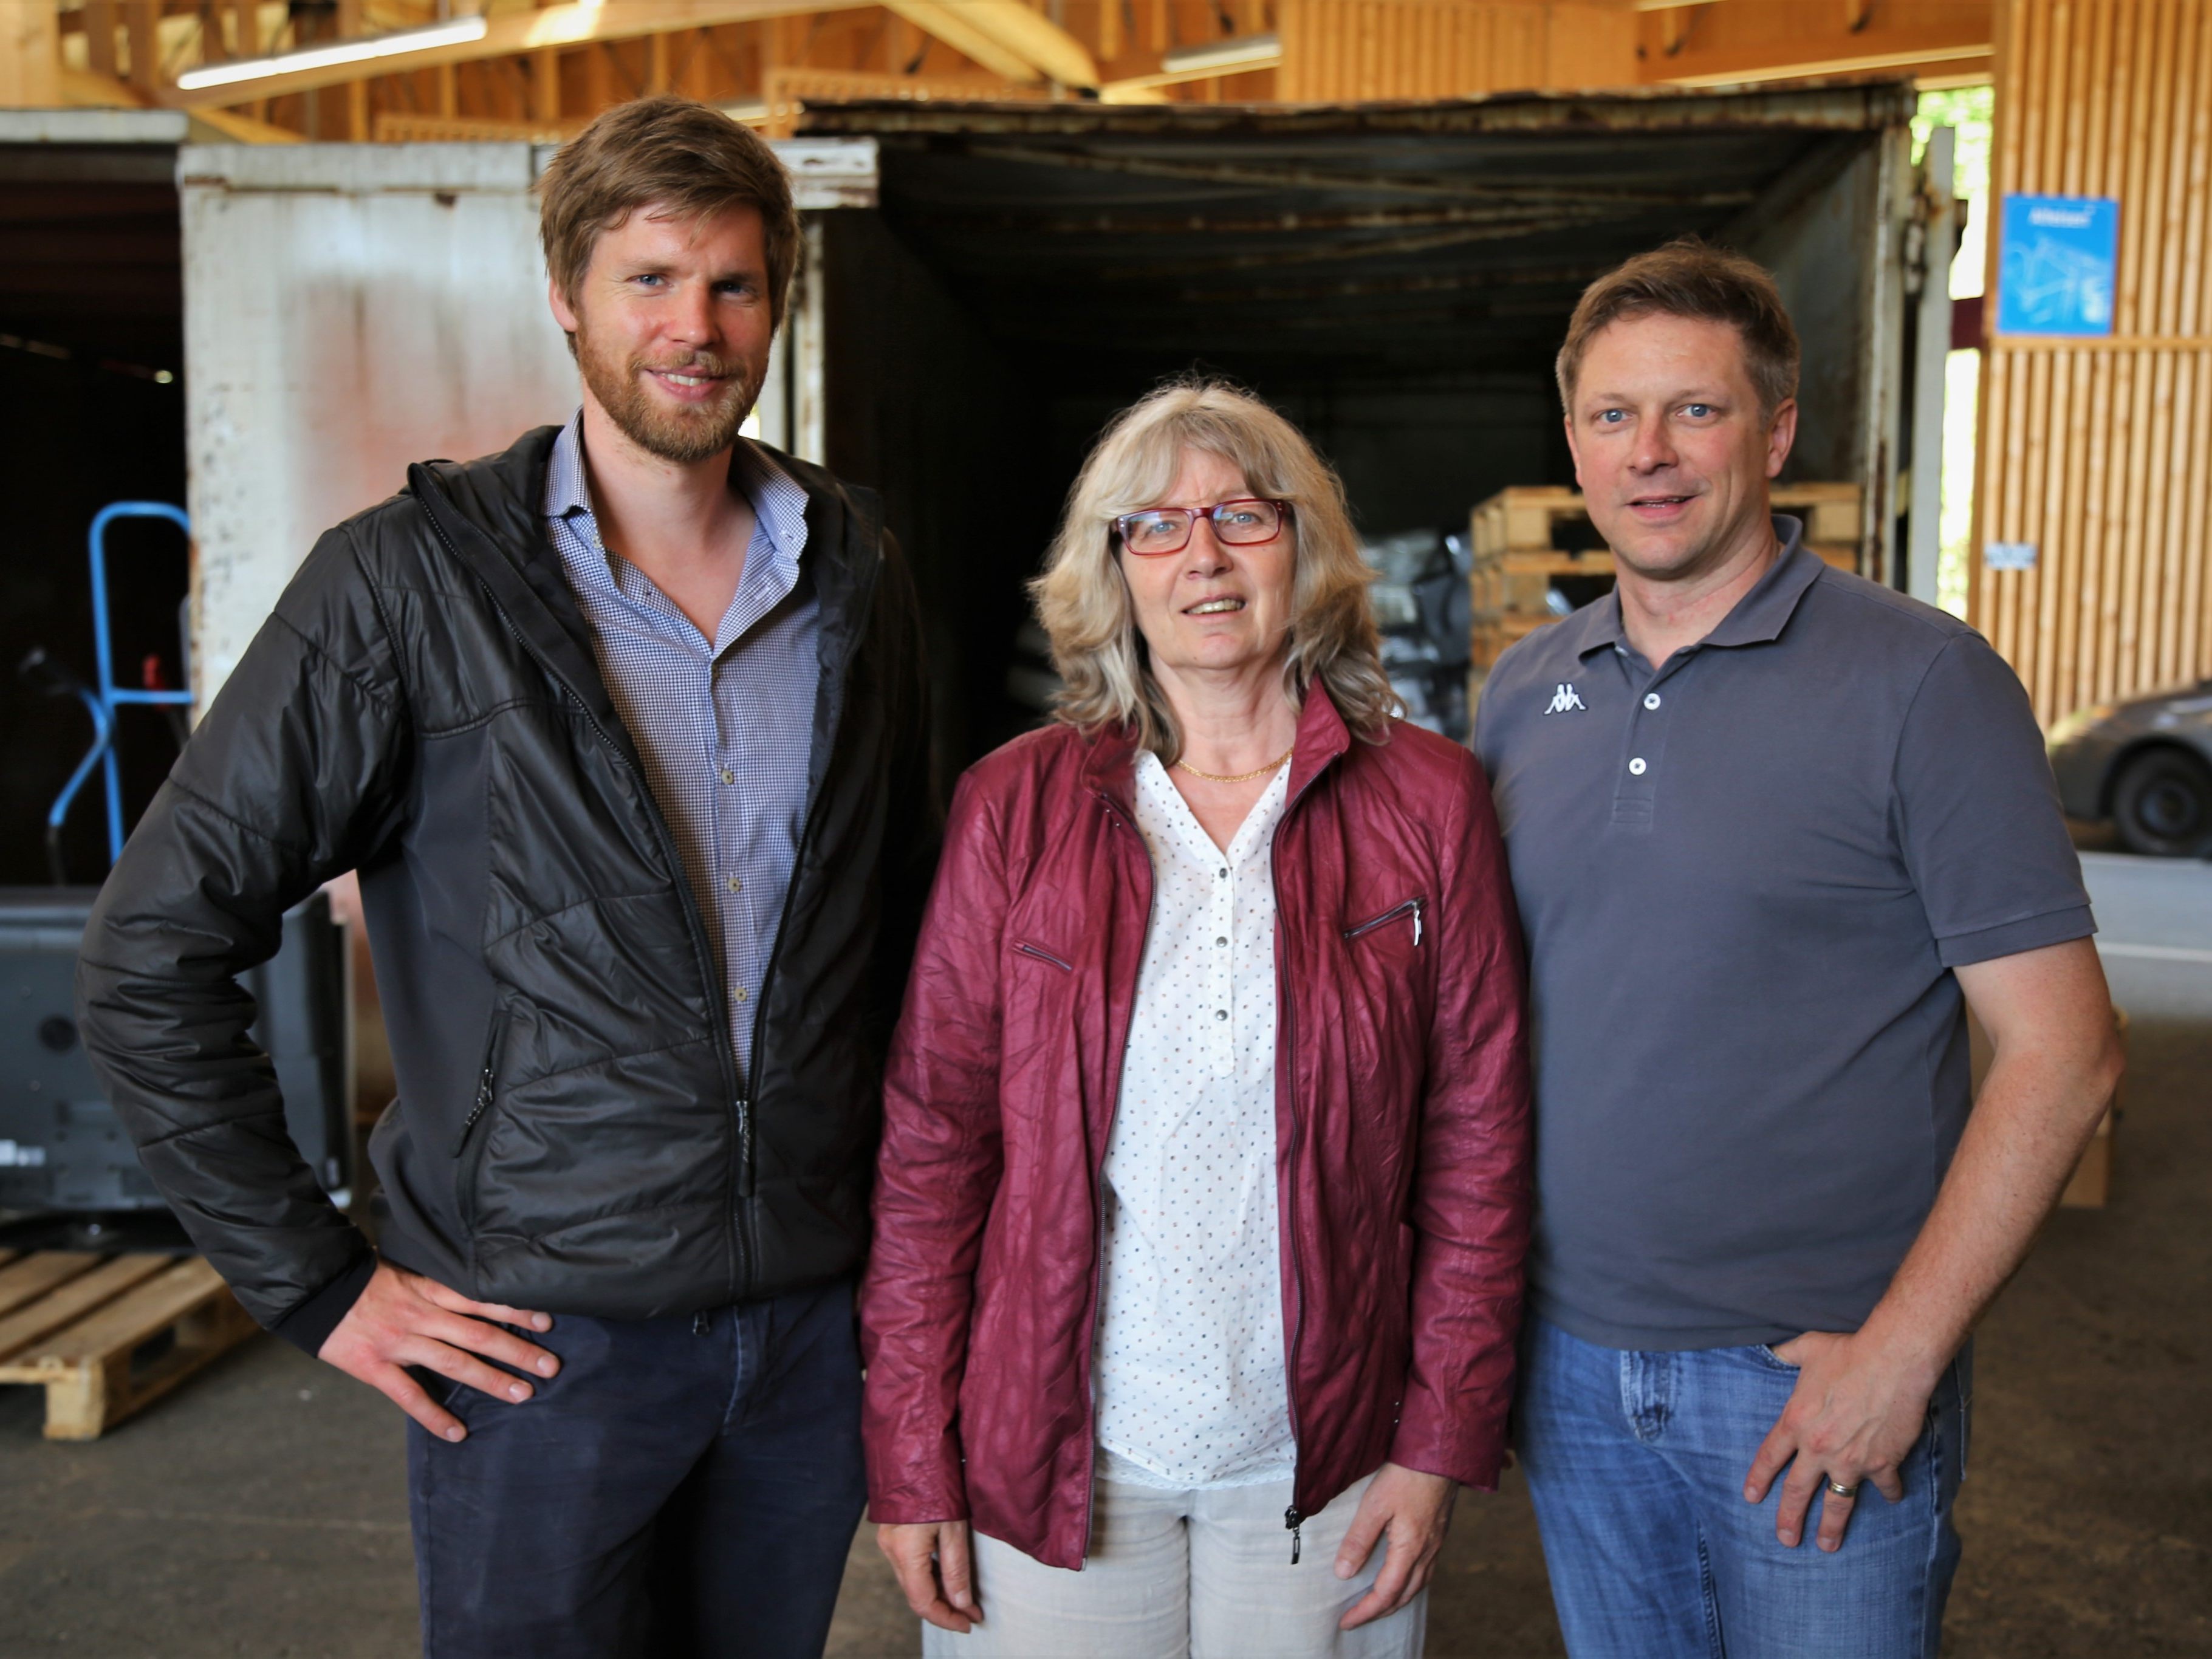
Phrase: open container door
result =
(1396, 278)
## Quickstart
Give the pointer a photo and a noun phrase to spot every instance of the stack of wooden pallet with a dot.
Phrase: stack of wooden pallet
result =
(1525, 539)
(105, 1334)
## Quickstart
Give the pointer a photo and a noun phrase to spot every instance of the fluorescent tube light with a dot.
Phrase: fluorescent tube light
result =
(1250, 52)
(456, 33)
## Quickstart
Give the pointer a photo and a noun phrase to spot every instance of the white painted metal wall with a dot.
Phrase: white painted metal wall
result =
(349, 309)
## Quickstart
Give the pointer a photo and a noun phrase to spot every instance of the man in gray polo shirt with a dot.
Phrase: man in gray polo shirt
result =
(1772, 829)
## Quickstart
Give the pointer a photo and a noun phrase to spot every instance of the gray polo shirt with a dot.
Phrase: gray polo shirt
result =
(1746, 877)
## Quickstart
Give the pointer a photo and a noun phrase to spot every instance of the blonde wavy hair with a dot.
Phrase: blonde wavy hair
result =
(1083, 600)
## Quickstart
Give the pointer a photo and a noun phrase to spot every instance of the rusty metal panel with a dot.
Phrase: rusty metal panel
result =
(350, 309)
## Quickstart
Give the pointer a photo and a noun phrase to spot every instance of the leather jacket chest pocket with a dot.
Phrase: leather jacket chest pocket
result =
(1399, 932)
(1383, 1000)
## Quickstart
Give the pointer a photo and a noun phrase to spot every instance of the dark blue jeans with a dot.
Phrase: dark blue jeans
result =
(1636, 1461)
(685, 1486)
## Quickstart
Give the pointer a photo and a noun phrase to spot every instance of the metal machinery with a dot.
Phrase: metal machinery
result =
(62, 1150)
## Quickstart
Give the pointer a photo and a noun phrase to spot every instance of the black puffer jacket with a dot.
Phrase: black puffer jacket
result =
(425, 706)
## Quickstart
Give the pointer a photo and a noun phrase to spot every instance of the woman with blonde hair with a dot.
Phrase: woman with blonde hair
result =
(1203, 1195)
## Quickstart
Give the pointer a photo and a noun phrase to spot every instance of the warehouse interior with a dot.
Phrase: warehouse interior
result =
(1022, 215)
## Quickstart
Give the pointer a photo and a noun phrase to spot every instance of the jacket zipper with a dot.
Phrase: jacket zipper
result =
(483, 1099)
(1412, 907)
(724, 1051)
(1287, 1046)
(1098, 1209)
(1291, 1518)
(747, 1179)
(1045, 955)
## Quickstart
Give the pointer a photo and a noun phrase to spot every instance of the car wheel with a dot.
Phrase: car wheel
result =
(2162, 805)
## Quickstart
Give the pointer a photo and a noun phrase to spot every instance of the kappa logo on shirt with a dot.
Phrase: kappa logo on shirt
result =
(1566, 700)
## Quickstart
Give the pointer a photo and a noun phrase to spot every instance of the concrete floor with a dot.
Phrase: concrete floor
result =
(261, 1511)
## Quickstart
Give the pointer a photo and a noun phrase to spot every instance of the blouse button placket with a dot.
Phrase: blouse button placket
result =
(1225, 1023)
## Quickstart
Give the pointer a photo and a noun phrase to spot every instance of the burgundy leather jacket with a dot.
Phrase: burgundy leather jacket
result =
(1401, 1129)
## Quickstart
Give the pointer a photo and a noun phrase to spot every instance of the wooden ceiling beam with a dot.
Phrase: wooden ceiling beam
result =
(1006, 37)
(82, 89)
(1727, 41)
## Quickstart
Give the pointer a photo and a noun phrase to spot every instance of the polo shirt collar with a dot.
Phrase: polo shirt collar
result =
(1758, 617)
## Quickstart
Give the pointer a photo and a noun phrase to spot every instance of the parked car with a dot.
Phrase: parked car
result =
(2146, 765)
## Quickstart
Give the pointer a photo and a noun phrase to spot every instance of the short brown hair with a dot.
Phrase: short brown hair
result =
(1689, 277)
(664, 152)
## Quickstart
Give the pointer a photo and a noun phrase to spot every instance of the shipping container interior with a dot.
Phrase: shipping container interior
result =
(1396, 279)
(91, 412)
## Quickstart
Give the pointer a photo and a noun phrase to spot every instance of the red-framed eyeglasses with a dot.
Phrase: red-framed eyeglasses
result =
(1245, 521)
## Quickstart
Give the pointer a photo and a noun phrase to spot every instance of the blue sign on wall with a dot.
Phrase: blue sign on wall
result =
(2061, 253)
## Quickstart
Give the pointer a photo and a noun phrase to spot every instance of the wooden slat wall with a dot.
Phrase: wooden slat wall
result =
(2102, 453)
(1346, 50)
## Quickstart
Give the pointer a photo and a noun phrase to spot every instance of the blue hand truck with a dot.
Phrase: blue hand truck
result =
(101, 700)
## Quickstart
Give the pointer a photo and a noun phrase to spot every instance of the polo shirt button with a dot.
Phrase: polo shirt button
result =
(1650, 699)
(1636, 767)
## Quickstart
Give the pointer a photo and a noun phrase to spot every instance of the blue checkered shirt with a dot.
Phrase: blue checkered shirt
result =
(724, 725)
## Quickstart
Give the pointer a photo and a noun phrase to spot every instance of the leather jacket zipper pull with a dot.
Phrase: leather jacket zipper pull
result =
(1417, 924)
(1292, 1519)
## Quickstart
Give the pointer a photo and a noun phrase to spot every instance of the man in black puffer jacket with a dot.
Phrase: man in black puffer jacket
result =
(625, 730)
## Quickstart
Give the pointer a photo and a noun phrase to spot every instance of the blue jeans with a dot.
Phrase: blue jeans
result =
(685, 1486)
(1636, 1460)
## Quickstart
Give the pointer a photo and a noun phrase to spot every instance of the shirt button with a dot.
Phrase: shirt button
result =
(1221, 1013)
(1651, 701)
(1636, 767)
(728, 776)
(1223, 870)
(1221, 941)
(739, 993)
(733, 885)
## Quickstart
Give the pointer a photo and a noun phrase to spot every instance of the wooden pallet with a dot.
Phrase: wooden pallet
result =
(106, 1334)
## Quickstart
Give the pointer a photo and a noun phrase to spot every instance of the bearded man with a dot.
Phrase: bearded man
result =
(625, 730)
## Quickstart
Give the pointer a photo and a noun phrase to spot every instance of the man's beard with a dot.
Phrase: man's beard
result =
(679, 433)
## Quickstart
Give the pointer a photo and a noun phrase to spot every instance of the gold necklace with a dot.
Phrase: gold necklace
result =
(1239, 777)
